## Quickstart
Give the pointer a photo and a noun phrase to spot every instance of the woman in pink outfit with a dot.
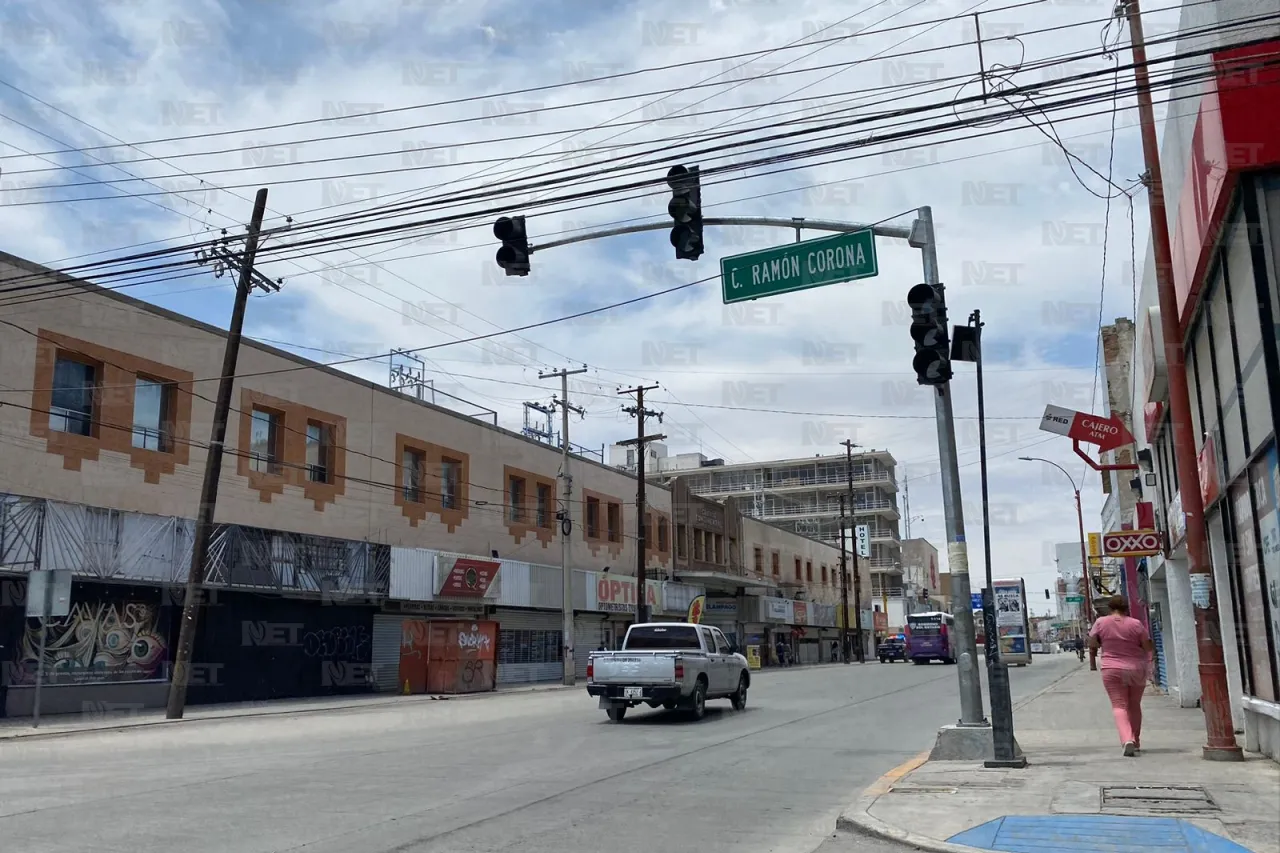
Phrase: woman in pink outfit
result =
(1126, 665)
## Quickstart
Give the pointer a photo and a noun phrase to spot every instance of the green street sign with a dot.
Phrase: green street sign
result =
(1075, 599)
(799, 266)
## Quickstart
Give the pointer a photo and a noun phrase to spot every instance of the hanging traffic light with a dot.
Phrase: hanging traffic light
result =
(685, 208)
(929, 330)
(514, 254)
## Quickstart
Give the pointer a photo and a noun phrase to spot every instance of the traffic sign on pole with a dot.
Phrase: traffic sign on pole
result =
(799, 266)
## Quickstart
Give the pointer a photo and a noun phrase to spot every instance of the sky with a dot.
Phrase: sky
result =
(342, 108)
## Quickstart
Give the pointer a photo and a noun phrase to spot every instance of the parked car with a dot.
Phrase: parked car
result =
(670, 665)
(891, 650)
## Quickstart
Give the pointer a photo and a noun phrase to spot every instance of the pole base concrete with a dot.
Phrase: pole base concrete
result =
(967, 743)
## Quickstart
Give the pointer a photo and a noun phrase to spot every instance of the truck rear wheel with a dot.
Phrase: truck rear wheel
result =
(616, 714)
(698, 703)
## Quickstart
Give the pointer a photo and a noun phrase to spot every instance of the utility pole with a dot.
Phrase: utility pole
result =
(857, 579)
(640, 413)
(844, 584)
(565, 517)
(1221, 739)
(971, 714)
(213, 461)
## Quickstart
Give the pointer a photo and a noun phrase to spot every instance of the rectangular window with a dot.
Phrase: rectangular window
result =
(319, 452)
(264, 442)
(719, 548)
(825, 580)
(698, 543)
(631, 458)
(664, 534)
(681, 537)
(808, 571)
(798, 575)
(152, 403)
(1224, 362)
(1252, 594)
(777, 564)
(593, 518)
(450, 475)
(515, 498)
(412, 464)
(524, 647)
(615, 522)
(1248, 328)
(71, 406)
(544, 506)
(758, 557)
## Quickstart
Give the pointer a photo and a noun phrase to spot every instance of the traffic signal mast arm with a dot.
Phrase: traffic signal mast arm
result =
(796, 224)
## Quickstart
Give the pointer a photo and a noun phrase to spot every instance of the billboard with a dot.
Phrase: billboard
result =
(1012, 623)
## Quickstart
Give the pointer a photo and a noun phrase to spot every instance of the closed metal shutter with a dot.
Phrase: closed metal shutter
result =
(588, 633)
(387, 633)
(530, 646)
(1157, 640)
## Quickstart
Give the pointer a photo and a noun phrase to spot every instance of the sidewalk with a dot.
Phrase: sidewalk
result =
(1079, 792)
(107, 716)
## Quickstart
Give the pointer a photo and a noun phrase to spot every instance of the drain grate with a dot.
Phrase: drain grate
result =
(1157, 798)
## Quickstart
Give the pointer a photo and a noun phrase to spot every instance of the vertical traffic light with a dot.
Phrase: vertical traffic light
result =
(685, 208)
(929, 330)
(514, 254)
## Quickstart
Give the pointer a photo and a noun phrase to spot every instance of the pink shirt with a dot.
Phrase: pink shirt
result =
(1121, 638)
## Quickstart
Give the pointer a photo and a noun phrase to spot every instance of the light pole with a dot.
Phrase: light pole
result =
(1084, 554)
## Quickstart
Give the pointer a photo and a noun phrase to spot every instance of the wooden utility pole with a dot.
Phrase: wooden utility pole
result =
(565, 517)
(640, 413)
(213, 460)
(844, 586)
(1214, 696)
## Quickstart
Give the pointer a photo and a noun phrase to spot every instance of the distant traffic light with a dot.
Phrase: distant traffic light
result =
(685, 208)
(514, 254)
(932, 363)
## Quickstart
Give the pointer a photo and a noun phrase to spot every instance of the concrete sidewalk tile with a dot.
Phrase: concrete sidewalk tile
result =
(1078, 777)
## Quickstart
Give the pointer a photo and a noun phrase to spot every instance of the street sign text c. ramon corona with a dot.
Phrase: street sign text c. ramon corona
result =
(799, 266)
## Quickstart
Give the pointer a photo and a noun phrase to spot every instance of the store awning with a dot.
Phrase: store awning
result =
(724, 581)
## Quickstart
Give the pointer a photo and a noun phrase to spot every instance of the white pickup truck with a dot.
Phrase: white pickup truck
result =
(669, 664)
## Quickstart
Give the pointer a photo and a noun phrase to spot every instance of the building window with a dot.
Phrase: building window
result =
(593, 518)
(71, 406)
(798, 575)
(825, 580)
(631, 458)
(681, 535)
(515, 498)
(412, 464)
(698, 544)
(450, 474)
(777, 564)
(544, 506)
(663, 535)
(319, 452)
(517, 647)
(808, 571)
(152, 404)
(264, 442)
(615, 522)
(758, 557)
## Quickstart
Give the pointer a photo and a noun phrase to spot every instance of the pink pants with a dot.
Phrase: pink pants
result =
(1125, 688)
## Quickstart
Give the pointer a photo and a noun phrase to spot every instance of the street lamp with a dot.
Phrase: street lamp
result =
(1084, 556)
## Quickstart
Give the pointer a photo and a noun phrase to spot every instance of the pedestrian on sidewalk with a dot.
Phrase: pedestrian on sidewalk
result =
(1126, 664)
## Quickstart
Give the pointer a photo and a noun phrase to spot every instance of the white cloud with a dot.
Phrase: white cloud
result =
(1018, 237)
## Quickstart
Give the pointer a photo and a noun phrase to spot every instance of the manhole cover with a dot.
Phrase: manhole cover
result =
(1157, 798)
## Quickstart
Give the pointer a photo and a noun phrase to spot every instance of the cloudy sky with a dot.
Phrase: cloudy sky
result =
(340, 108)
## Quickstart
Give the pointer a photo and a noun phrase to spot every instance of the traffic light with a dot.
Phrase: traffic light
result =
(685, 208)
(514, 254)
(929, 330)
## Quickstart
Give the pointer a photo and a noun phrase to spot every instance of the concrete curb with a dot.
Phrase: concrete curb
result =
(36, 734)
(858, 819)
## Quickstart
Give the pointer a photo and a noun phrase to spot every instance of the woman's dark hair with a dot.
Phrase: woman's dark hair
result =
(1118, 604)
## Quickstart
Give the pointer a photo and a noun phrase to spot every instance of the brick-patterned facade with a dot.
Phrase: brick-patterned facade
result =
(294, 418)
(522, 520)
(432, 489)
(600, 540)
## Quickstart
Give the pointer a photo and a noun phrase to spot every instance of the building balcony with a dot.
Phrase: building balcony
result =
(824, 483)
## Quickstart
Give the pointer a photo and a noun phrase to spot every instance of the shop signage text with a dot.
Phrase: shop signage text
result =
(722, 607)
(618, 594)
(800, 611)
(466, 577)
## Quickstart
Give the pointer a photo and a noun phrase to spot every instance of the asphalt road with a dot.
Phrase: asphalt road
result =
(532, 772)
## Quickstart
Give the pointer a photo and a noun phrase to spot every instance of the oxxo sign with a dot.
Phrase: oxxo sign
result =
(618, 594)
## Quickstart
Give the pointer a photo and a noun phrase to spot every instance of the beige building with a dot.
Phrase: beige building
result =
(332, 486)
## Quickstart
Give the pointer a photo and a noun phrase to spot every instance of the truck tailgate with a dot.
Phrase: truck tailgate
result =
(635, 668)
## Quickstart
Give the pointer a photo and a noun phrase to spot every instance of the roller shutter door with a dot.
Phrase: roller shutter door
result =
(529, 646)
(589, 631)
(387, 633)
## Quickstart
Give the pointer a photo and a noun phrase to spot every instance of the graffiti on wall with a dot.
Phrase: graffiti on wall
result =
(96, 642)
(347, 642)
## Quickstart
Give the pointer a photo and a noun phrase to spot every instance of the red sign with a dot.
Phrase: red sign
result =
(1107, 433)
(880, 621)
(468, 578)
(618, 594)
(1210, 485)
(1132, 543)
(800, 611)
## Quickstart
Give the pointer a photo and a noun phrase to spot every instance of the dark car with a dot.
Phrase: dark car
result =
(891, 650)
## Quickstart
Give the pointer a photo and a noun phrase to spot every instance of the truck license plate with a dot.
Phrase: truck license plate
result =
(633, 693)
